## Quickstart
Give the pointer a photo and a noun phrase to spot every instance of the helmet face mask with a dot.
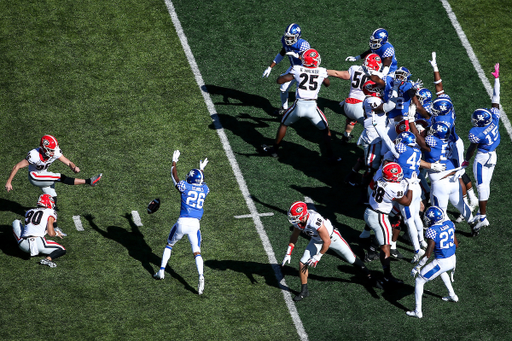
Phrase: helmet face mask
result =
(48, 145)
(195, 177)
(311, 58)
(292, 34)
(402, 75)
(46, 200)
(441, 106)
(481, 117)
(392, 172)
(298, 214)
(378, 38)
(433, 215)
(373, 62)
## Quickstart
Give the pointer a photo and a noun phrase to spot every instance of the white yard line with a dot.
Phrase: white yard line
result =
(78, 223)
(476, 63)
(136, 218)
(238, 174)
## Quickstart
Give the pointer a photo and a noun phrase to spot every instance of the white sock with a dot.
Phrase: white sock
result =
(199, 264)
(448, 283)
(284, 100)
(393, 245)
(418, 293)
(165, 257)
(472, 197)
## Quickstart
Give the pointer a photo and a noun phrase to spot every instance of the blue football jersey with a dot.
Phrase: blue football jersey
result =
(409, 160)
(443, 235)
(192, 199)
(439, 151)
(387, 50)
(300, 46)
(403, 101)
(488, 137)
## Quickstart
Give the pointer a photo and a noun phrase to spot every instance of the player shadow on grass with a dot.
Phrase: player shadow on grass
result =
(137, 247)
(238, 98)
(14, 207)
(8, 243)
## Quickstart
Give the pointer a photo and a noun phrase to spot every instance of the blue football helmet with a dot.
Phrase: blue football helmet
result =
(402, 75)
(481, 117)
(378, 38)
(406, 138)
(195, 177)
(433, 215)
(292, 34)
(441, 106)
(440, 130)
(424, 96)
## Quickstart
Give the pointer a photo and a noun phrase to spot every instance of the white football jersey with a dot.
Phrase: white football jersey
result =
(384, 193)
(372, 118)
(313, 224)
(309, 81)
(36, 161)
(357, 79)
(36, 221)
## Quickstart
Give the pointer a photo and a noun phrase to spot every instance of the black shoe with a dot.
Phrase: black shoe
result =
(474, 231)
(351, 179)
(379, 284)
(269, 150)
(392, 280)
(345, 139)
(279, 112)
(396, 254)
(371, 256)
(333, 160)
(300, 296)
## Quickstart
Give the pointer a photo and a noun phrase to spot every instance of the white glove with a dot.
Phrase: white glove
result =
(415, 271)
(313, 261)
(59, 231)
(266, 73)
(412, 112)
(203, 164)
(286, 259)
(351, 59)
(418, 84)
(438, 166)
(175, 156)
(433, 62)
(293, 54)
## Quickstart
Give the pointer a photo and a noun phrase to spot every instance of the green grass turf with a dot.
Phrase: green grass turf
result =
(110, 81)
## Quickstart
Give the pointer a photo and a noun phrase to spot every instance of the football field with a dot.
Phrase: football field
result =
(114, 83)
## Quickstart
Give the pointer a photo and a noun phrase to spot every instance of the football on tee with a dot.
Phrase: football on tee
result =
(153, 206)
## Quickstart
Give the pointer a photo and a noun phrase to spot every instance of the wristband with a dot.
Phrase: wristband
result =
(440, 92)
(290, 249)
(435, 68)
(439, 81)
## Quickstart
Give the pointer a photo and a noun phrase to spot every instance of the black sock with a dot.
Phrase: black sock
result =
(304, 288)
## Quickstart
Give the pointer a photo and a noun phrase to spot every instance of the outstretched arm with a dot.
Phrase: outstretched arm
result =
(22, 164)
(438, 82)
(496, 90)
(174, 172)
(68, 163)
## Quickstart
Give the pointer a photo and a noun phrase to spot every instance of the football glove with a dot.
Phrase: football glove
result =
(438, 166)
(203, 164)
(266, 73)
(433, 62)
(153, 206)
(313, 261)
(412, 112)
(418, 84)
(175, 156)
(496, 72)
(293, 54)
(351, 59)
(288, 256)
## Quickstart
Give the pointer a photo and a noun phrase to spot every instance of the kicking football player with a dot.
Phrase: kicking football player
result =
(310, 77)
(353, 104)
(323, 237)
(39, 159)
(485, 138)
(442, 242)
(193, 194)
(389, 188)
(293, 47)
(39, 222)
(380, 45)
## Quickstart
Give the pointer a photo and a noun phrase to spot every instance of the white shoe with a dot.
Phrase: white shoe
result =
(459, 219)
(414, 313)
(159, 275)
(481, 223)
(423, 244)
(453, 298)
(365, 234)
(418, 256)
(48, 262)
(200, 286)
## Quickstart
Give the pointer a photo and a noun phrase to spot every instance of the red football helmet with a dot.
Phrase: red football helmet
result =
(311, 58)
(392, 172)
(46, 200)
(297, 212)
(373, 62)
(49, 145)
(370, 88)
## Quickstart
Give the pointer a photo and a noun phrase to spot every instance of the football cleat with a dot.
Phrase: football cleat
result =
(415, 313)
(453, 298)
(279, 112)
(301, 296)
(371, 256)
(396, 254)
(418, 256)
(200, 285)
(48, 262)
(346, 139)
(481, 223)
(159, 275)
(459, 219)
(392, 280)
(423, 244)
(365, 234)
(351, 179)
(269, 150)
(95, 179)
